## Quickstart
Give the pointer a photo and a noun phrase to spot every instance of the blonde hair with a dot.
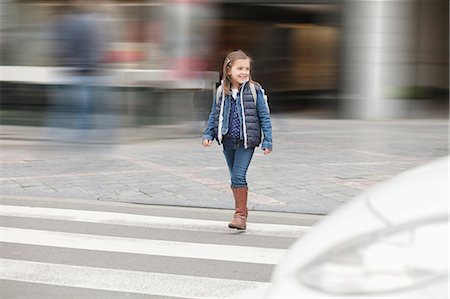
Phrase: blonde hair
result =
(227, 64)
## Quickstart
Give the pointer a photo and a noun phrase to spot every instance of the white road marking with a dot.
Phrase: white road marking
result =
(124, 280)
(263, 229)
(244, 254)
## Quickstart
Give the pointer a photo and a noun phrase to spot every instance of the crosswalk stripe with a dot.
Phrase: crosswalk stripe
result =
(181, 286)
(262, 229)
(129, 278)
(244, 254)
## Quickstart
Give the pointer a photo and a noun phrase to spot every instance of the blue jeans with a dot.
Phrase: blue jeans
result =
(238, 159)
(72, 103)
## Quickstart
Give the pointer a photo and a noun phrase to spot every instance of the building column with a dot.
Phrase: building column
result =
(379, 55)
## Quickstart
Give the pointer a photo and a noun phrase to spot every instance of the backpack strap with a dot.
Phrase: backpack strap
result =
(218, 93)
(253, 90)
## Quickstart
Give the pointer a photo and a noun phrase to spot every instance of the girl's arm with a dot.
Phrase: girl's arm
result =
(262, 108)
(209, 131)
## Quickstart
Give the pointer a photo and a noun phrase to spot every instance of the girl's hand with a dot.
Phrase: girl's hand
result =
(267, 151)
(206, 142)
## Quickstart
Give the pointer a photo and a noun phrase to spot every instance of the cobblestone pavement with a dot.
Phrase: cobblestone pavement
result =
(316, 165)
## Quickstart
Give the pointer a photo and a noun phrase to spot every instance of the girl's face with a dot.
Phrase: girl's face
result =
(239, 72)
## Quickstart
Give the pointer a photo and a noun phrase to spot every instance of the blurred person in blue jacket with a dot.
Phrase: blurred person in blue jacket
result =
(78, 47)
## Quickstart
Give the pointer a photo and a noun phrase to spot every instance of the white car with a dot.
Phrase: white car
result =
(390, 242)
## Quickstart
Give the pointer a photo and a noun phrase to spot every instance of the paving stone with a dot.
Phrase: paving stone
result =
(316, 166)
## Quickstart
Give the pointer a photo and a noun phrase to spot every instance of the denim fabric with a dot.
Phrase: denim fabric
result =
(262, 108)
(256, 119)
(238, 160)
(72, 103)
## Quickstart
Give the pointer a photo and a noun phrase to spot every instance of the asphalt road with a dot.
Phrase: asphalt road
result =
(90, 249)
(146, 216)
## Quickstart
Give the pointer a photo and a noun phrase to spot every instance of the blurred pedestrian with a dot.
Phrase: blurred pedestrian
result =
(78, 47)
(239, 113)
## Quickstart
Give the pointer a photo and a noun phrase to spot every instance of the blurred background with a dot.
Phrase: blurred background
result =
(104, 65)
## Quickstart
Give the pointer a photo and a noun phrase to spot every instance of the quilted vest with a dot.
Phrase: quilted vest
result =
(251, 127)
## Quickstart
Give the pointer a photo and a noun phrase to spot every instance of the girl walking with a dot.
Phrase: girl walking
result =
(239, 120)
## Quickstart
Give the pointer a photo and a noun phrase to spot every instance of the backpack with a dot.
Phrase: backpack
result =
(252, 89)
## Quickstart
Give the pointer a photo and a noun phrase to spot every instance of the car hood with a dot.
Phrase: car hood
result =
(414, 195)
(417, 194)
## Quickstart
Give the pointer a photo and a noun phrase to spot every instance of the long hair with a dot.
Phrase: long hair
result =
(227, 64)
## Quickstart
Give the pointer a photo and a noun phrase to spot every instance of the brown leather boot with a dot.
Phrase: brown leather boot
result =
(240, 216)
